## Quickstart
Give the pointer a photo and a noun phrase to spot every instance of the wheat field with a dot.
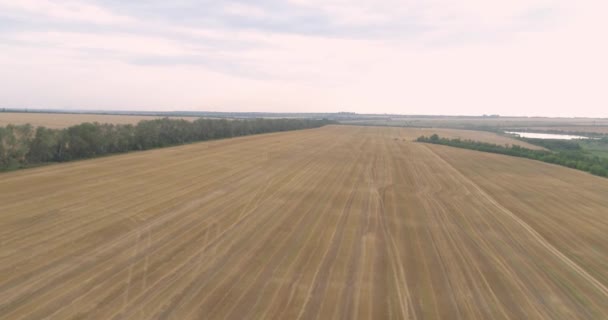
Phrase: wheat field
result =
(338, 222)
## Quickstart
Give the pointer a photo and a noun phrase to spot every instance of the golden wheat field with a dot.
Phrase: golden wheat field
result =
(63, 120)
(337, 222)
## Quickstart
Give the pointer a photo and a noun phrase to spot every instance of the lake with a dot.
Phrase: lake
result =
(534, 135)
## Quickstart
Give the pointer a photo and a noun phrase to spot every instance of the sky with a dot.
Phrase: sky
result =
(466, 57)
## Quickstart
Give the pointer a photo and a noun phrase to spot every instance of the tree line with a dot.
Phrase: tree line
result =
(25, 145)
(564, 153)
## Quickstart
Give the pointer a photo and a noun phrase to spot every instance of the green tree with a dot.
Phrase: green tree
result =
(43, 146)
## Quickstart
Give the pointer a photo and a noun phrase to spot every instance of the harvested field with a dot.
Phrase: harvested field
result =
(483, 136)
(58, 120)
(480, 122)
(63, 120)
(337, 222)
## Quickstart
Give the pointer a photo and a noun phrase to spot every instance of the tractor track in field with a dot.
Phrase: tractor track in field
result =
(340, 222)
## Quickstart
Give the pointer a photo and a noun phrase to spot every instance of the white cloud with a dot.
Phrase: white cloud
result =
(557, 70)
(116, 43)
(245, 10)
(64, 10)
(440, 15)
(342, 12)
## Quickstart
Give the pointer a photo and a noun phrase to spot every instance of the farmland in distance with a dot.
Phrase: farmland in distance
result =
(64, 120)
(337, 222)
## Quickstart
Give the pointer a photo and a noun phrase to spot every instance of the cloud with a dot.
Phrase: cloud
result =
(346, 13)
(115, 43)
(433, 56)
(246, 11)
(63, 11)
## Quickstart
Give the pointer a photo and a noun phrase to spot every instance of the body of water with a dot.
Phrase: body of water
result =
(534, 135)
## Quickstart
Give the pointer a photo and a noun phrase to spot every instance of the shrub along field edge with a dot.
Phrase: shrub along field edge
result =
(564, 153)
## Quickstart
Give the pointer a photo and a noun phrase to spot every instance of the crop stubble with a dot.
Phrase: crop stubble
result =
(337, 222)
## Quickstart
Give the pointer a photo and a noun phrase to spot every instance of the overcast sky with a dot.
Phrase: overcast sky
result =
(508, 57)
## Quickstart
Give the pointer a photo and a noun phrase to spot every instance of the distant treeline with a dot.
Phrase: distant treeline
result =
(555, 144)
(201, 114)
(25, 145)
(564, 153)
